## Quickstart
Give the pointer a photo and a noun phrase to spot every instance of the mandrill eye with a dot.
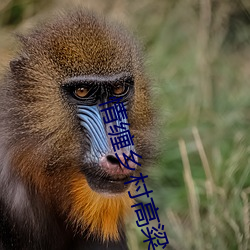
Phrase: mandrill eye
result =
(81, 92)
(119, 89)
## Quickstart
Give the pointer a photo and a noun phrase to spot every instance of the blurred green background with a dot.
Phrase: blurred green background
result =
(198, 55)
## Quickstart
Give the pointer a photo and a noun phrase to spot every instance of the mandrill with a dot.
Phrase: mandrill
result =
(61, 184)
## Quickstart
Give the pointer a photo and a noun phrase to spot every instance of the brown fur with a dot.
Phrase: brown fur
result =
(39, 131)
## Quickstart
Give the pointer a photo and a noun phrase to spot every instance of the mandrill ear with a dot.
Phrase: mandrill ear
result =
(17, 67)
(18, 63)
(15, 64)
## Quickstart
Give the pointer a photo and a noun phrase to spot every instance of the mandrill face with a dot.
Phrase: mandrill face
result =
(103, 171)
(52, 124)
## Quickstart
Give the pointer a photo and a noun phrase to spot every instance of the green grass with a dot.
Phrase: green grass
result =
(199, 59)
(202, 179)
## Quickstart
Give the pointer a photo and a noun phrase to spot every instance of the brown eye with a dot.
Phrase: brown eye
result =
(81, 92)
(119, 89)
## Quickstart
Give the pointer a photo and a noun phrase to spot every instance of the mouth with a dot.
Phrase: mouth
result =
(102, 182)
(120, 178)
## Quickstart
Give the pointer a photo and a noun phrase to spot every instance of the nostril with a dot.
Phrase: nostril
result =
(112, 159)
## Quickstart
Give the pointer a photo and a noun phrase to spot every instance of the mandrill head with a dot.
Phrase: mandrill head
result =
(53, 136)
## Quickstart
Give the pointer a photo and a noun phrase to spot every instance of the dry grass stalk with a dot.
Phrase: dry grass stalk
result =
(204, 160)
(246, 220)
(192, 197)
